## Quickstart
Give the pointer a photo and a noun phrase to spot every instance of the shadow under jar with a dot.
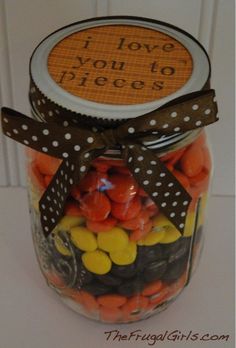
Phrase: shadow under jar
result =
(114, 256)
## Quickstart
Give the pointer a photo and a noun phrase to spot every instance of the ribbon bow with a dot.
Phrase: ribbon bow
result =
(78, 147)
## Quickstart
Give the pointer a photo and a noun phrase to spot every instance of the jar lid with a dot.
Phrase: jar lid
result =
(115, 68)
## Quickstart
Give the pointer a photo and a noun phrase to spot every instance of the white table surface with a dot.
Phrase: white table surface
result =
(32, 316)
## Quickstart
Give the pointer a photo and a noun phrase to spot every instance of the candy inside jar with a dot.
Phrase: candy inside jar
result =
(114, 256)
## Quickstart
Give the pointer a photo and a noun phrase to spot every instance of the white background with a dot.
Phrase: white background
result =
(24, 23)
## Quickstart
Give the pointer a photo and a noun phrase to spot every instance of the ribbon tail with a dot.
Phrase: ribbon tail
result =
(183, 114)
(159, 183)
(49, 138)
(28, 131)
(51, 204)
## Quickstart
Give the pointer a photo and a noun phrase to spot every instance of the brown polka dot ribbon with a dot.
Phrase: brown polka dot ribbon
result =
(77, 147)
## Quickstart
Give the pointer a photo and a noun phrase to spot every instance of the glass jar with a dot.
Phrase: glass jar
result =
(114, 256)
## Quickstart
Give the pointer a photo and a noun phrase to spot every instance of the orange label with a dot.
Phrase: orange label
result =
(120, 64)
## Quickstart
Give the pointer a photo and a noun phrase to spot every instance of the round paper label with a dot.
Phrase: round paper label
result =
(120, 64)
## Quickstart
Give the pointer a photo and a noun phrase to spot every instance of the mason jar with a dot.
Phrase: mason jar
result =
(114, 256)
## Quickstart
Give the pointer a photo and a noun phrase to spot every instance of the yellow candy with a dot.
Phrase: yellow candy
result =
(83, 239)
(96, 262)
(34, 197)
(60, 246)
(35, 204)
(152, 238)
(34, 190)
(161, 222)
(189, 225)
(125, 256)
(171, 235)
(67, 222)
(202, 209)
(114, 240)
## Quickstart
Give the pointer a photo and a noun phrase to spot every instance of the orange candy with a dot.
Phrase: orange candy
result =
(200, 180)
(92, 181)
(55, 280)
(152, 209)
(207, 158)
(35, 176)
(30, 153)
(72, 293)
(139, 233)
(75, 193)
(192, 161)
(87, 300)
(47, 179)
(103, 226)
(95, 206)
(173, 156)
(142, 193)
(47, 165)
(126, 211)
(138, 222)
(134, 307)
(112, 301)
(201, 140)
(195, 192)
(72, 209)
(161, 296)
(111, 315)
(193, 203)
(169, 166)
(123, 188)
(178, 154)
(184, 181)
(199, 183)
(152, 288)
(151, 206)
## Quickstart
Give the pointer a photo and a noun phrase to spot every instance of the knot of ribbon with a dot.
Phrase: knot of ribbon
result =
(110, 138)
(78, 147)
